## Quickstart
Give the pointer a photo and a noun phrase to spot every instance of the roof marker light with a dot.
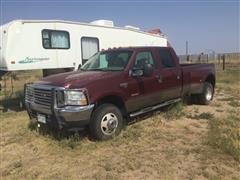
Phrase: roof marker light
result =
(66, 86)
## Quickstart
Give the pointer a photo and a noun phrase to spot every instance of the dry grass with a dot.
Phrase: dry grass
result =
(224, 134)
(175, 143)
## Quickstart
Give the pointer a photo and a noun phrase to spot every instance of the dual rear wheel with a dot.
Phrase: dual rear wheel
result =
(206, 96)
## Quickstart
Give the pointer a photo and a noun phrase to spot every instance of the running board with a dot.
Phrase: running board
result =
(152, 108)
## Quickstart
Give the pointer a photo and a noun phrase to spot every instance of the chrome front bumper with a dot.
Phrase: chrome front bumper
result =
(68, 116)
(74, 113)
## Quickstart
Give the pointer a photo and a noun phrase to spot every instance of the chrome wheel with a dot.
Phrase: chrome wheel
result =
(109, 124)
(208, 94)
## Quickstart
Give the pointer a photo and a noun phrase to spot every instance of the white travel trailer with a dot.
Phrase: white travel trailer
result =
(64, 45)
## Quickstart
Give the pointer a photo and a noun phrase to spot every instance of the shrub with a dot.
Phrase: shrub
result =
(234, 103)
(12, 100)
(174, 111)
(72, 141)
(204, 115)
(224, 134)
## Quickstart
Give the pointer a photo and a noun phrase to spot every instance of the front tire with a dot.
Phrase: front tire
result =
(106, 122)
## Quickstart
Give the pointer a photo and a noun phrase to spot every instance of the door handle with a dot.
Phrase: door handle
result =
(159, 78)
(178, 77)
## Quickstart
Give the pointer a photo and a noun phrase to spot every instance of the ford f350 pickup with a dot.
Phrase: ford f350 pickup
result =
(115, 85)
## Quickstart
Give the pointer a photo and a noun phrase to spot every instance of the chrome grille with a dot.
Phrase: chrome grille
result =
(39, 96)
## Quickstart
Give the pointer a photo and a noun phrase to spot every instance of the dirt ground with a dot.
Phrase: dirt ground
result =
(156, 147)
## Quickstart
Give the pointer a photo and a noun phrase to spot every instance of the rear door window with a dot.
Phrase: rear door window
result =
(166, 58)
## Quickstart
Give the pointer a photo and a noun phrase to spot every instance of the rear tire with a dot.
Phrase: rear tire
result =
(207, 95)
(106, 122)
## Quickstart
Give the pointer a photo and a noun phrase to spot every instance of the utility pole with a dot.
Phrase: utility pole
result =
(187, 57)
(186, 48)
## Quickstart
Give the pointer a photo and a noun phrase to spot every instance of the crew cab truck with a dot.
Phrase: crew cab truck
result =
(115, 85)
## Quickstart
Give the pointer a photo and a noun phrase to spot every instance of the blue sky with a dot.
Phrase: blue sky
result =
(207, 25)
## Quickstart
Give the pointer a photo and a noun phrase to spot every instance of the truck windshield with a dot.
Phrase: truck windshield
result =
(108, 61)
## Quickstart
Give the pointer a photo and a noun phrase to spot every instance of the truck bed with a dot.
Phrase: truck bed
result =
(194, 64)
(198, 66)
(194, 75)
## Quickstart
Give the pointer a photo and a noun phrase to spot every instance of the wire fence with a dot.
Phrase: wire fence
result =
(221, 61)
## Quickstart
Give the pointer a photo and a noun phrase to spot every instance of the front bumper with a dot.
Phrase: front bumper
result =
(68, 117)
(64, 117)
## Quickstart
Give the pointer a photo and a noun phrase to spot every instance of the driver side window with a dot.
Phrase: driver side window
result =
(142, 58)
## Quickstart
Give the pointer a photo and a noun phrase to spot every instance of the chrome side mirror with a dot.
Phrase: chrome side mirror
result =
(136, 72)
(147, 70)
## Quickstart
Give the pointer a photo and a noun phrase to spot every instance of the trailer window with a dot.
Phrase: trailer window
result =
(53, 39)
(90, 46)
(166, 59)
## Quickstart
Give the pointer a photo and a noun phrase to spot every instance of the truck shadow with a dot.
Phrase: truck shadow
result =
(58, 135)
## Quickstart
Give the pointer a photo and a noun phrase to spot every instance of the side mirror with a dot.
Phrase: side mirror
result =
(137, 72)
(147, 70)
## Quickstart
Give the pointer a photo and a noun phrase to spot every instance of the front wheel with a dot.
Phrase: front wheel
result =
(106, 122)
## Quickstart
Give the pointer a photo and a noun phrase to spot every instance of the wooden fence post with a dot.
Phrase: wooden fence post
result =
(223, 62)
(5, 87)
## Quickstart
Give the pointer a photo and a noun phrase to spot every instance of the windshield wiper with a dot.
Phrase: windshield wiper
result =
(102, 69)
(115, 70)
(94, 69)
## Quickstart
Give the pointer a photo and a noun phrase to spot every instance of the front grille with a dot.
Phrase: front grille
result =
(39, 96)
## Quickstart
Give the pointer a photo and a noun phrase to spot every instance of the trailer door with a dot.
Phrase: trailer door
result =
(90, 46)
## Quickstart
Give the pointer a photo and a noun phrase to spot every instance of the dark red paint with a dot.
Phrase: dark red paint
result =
(140, 91)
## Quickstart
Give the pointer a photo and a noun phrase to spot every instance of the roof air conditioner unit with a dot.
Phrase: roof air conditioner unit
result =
(103, 23)
(132, 27)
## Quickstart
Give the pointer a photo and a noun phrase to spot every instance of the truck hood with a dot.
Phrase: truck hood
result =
(75, 79)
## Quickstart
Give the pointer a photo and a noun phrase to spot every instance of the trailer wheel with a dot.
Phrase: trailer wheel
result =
(21, 106)
(106, 122)
(207, 95)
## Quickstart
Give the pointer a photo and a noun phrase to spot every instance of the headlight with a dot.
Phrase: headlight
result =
(75, 97)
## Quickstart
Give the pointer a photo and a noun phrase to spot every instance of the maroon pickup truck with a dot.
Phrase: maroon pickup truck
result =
(115, 85)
